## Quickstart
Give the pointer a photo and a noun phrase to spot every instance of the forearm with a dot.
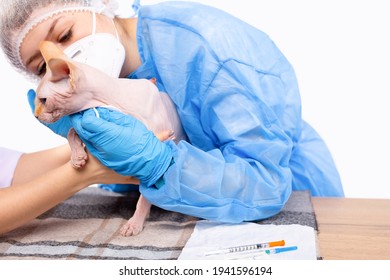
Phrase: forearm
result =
(44, 179)
(21, 203)
(35, 164)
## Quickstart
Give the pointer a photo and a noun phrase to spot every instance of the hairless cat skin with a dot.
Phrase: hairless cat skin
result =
(69, 87)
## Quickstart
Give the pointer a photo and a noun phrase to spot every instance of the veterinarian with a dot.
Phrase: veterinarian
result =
(235, 92)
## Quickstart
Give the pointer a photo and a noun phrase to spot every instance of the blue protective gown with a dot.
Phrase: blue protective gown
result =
(239, 103)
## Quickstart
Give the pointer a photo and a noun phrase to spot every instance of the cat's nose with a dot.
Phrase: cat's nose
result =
(39, 107)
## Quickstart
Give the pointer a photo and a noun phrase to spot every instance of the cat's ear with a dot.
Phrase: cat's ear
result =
(58, 65)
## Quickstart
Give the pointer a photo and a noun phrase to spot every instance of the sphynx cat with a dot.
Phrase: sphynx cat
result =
(69, 87)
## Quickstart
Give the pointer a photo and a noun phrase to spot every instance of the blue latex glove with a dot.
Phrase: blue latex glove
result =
(123, 144)
(119, 188)
(60, 127)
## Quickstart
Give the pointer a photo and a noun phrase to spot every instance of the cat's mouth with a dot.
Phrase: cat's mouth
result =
(48, 118)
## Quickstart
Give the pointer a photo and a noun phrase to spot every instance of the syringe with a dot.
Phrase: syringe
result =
(244, 248)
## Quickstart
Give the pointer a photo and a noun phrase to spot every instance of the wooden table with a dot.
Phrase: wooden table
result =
(353, 229)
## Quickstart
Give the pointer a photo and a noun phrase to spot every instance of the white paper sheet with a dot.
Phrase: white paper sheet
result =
(209, 236)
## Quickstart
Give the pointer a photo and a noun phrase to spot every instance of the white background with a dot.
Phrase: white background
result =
(340, 52)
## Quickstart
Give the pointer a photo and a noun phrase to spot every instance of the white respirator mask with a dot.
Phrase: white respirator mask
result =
(103, 51)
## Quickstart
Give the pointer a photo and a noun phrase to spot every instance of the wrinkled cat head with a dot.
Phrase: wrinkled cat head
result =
(66, 87)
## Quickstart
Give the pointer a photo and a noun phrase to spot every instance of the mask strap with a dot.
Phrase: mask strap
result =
(94, 26)
(93, 23)
(116, 30)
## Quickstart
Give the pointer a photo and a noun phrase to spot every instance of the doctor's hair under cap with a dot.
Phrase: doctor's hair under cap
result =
(18, 17)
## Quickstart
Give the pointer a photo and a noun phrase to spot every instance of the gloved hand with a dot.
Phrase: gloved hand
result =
(123, 144)
(60, 127)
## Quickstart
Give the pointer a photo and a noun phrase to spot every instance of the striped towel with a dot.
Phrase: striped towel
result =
(86, 226)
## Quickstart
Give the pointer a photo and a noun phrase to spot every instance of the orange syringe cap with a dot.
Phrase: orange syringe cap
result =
(276, 243)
